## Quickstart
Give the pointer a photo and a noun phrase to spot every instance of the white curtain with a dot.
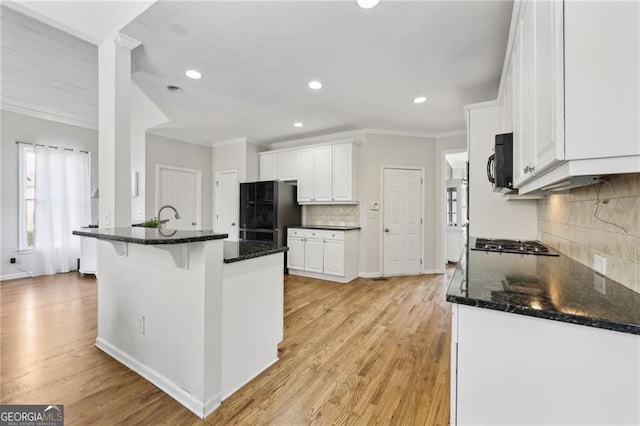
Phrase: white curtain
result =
(62, 204)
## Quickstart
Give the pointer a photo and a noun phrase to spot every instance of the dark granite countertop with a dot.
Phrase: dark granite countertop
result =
(235, 251)
(327, 227)
(149, 236)
(555, 288)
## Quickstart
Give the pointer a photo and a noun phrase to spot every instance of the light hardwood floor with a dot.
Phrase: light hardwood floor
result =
(368, 352)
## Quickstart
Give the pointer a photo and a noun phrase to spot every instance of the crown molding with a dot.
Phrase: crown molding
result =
(229, 142)
(461, 132)
(481, 105)
(126, 41)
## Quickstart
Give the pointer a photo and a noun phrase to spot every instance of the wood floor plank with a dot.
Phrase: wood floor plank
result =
(367, 352)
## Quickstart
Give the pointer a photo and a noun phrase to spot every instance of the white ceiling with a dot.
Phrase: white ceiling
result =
(257, 58)
(457, 160)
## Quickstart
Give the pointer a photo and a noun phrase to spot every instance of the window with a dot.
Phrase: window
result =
(27, 196)
(452, 206)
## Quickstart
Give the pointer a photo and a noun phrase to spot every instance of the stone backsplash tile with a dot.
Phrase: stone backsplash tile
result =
(330, 214)
(568, 223)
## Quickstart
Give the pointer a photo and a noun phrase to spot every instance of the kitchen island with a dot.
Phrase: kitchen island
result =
(542, 340)
(194, 314)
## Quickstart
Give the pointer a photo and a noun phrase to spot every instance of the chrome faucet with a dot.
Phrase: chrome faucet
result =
(162, 222)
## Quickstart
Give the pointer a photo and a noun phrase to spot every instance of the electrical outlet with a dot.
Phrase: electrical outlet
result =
(12, 260)
(600, 264)
(141, 324)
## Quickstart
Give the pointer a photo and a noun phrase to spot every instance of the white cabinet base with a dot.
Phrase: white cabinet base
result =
(318, 276)
(521, 370)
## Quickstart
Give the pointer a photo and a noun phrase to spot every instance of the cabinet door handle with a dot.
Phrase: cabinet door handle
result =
(233, 224)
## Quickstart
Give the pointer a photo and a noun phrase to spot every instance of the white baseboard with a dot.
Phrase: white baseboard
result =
(369, 274)
(433, 271)
(318, 276)
(15, 276)
(197, 407)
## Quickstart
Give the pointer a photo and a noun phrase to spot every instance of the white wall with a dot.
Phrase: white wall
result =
(35, 130)
(172, 152)
(387, 150)
(144, 114)
(444, 144)
(231, 156)
(490, 215)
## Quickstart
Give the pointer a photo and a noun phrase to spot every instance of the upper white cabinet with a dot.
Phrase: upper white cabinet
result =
(279, 165)
(570, 90)
(343, 178)
(268, 166)
(288, 165)
(325, 174)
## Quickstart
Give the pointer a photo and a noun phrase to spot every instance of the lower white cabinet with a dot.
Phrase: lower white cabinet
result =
(88, 255)
(510, 369)
(324, 254)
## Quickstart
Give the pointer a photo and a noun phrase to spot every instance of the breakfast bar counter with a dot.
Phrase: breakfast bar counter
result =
(196, 315)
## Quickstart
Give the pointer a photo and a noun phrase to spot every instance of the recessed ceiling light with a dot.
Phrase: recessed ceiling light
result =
(175, 89)
(367, 4)
(193, 74)
(419, 100)
(315, 85)
(298, 124)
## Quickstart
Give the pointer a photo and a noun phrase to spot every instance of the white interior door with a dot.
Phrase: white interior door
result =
(402, 210)
(180, 188)
(227, 200)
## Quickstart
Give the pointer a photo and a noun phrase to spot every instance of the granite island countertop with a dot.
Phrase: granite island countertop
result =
(236, 251)
(550, 287)
(149, 236)
(327, 227)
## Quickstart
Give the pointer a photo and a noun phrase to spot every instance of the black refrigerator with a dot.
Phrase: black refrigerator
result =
(266, 209)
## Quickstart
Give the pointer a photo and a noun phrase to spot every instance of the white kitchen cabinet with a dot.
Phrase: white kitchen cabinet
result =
(305, 175)
(333, 253)
(324, 254)
(324, 174)
(295, 255)
(288, 165)
(571, 87)
(313, 252)
(503, 364)
(88, 255)
(344, 180)
(279, 165)
(322, 169)
(268, 166)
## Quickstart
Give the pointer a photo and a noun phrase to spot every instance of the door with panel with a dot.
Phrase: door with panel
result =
(322, 188)
(333, 256)
(314, 253)
(305, 175)
(227, 200)
(295, 255)
(180, 188)
(402, 209)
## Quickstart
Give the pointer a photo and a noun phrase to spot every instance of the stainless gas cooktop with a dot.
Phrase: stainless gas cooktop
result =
(513, 246)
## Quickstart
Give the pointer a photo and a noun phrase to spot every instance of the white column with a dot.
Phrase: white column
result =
(114, 143)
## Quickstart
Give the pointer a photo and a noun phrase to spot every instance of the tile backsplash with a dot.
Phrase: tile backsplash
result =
(331, 214)
(568, 223)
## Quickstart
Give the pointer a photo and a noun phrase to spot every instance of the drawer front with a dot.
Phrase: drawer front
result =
(313, 233)
(294, 232)
(334, 235)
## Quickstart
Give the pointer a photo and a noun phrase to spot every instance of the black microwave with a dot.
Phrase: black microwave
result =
(500, 164)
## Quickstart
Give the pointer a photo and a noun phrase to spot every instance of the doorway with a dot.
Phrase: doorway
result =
(403, 212)
(180, 188)
(455, 204)
(227, 201)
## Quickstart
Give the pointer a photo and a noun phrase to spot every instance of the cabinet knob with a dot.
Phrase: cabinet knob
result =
(233, 224)
(386, 229)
